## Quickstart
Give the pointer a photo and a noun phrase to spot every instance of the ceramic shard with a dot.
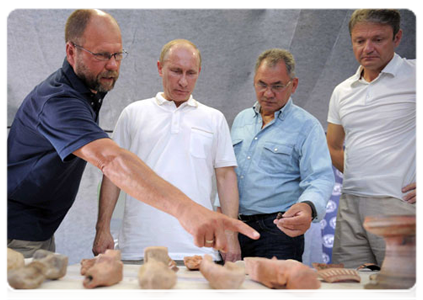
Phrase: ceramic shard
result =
(339, 275)
(279, 274)
(56, 264)
(30, 276)
(104, 270)
(193, 262)
(15, 259)
(229, 276)
(156, 272)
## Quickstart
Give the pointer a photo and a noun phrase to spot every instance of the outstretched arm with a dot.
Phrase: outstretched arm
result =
(128, 172)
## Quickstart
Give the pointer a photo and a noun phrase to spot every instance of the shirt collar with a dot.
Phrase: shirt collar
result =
(160, 100)
(281, 113)
(391, 68)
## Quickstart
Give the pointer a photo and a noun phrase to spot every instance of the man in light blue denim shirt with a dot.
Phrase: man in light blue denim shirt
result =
(283, 163)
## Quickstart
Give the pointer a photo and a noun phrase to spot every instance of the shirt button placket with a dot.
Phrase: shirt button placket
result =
(175, 121)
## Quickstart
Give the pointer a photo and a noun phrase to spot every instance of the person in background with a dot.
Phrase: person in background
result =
(55, 132)
(184, 142)
(284, 166)
(374, 113)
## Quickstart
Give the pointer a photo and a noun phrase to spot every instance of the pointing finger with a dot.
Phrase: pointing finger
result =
(241, 227)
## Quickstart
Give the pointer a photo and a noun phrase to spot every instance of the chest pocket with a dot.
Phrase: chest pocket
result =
(201, 142)
(237, 144)
(276, 158)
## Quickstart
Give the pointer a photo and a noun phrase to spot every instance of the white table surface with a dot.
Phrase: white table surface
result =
(190, 285)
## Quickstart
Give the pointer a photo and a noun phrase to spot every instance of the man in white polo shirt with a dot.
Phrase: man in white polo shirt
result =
(184, 142)
(374, 112)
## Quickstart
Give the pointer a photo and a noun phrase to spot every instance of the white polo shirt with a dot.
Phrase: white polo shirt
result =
(183, 145)
(379, 120)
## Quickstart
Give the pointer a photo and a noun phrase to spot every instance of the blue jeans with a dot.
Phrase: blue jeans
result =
(272, 241)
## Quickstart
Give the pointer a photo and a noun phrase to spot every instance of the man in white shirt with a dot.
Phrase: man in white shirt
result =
(184, 142)
(374, 112)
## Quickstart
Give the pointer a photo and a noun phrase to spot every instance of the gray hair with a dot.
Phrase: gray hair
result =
(274, 56)
(389, 17)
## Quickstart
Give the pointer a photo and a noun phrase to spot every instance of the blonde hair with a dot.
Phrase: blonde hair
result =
(169, 45)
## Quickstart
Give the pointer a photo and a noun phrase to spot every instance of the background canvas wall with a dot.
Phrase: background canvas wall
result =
(229, 40)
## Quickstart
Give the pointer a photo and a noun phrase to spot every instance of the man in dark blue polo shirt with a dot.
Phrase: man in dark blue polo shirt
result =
(55, 132)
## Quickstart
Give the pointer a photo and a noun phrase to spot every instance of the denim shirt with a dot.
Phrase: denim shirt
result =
(284, 163)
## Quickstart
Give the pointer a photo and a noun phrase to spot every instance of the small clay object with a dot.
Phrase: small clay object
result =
(339, 275)
(30, 276)
(87, 264)
(56, 264)
(107, 270)
(322, 266)
(90, 262)
(156, 275)
(156, 272)
(15, 259)
(229, 276)
(279, 274)
(368, 267)
(160, 253)
(193, 262)
(279, 216)
(172, 265)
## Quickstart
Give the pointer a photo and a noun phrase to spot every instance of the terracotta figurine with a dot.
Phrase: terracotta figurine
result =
(229, 276)
(193, 262)
(27, 277)
(15, 259)
(157, 271)
(56, 264)
(280, 274)
(104, 270)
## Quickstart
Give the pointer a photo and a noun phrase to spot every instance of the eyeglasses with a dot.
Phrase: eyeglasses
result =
(276, 88)
(105, 56)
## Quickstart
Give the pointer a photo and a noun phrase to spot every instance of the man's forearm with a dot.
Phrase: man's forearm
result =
(109, 195)
(128, 172)
(337, 157)
(132, 175)
(227, 189)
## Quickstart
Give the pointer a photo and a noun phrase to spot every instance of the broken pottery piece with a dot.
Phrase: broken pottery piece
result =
(322, 266)
(339, 275)
(368, 267)
(90, 262)
(87, 264)
(107, 270)
(156, 275)
(193, 262)
(157, 253)
(157, 271)
(229, 276)
(15, 259)
(30, 276)
(160, 253)
(172, 265)
(278, 274)
(56, 264)
(398, 269)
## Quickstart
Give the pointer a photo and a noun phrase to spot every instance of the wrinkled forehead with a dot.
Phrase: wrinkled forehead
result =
(182, 54)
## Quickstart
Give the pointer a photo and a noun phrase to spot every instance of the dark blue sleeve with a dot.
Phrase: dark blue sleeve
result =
(68, 124)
